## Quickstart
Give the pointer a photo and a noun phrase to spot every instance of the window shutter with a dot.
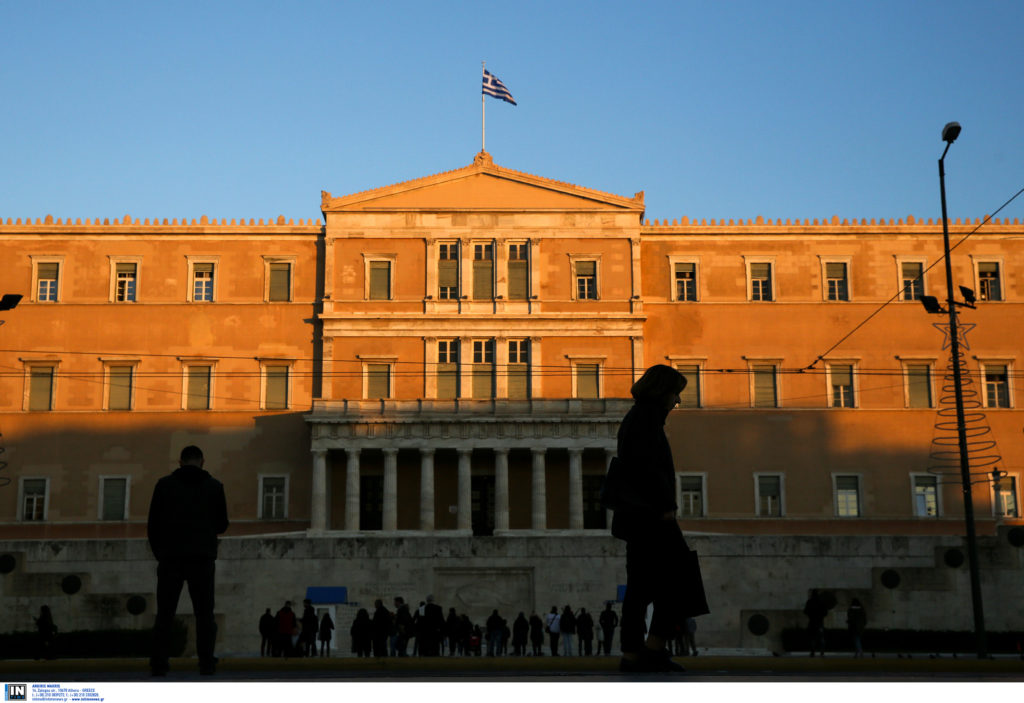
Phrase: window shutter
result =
(41, 389)
(277, 388)
(280, 282)
(120, 388)
(447, 380)
(448, 273)
(835, 270)
(919, 387)
(762, 270)
(380, 280)
(114, 491)
(483, 380)
(483, 280)
(518, 381)
(587, 380)
(48, 271)
(764, 387)
(690, 397)
(202, 268)
(586, 268)
(378, 382)
(198, 388)
(128, 268)
(517, 277)
(842, 375)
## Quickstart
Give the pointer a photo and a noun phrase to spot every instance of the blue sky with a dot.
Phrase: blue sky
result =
(731, 109)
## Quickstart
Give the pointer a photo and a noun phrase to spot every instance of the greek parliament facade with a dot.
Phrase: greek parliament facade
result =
(421, 393)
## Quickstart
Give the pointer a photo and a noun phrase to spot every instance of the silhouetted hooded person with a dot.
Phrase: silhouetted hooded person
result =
(187, 512)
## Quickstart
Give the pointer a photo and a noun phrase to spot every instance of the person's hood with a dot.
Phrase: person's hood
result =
(655, 409)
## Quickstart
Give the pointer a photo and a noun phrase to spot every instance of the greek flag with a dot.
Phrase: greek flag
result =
(495, 88)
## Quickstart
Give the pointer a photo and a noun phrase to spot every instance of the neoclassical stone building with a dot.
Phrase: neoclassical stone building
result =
(437, 369)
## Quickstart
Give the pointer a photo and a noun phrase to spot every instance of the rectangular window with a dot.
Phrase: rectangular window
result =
(448, 271)
(483, 368)
(47, 277)
(198, 387)
(836, 281)
(1007, 498)
(124, 285)
(912, 273)
(273, 498)
(761, 281)
(380, 280)
(119, 387)
(518, 272)
(447, 368)
(40, 390)
(594, 515)
(115, 495)
(841, 379)
(686, 281)
(519, 368)
(586, 280)
(997, 389)
(33, 499)
(483, 271)
(690, 397)
(926, 496)
(280, 286)
(848, 496)
(202, 282)
(990, 286)
(765, 386)
(769, 496)
(691, 496)
(587, 380)
(919, 386)
(378, 381)
(276, 392)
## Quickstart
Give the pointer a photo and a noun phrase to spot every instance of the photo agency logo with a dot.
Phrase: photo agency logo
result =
(16, 692)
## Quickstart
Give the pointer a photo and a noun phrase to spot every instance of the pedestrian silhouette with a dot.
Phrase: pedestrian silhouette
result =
(285, 624)
(608, 620)
(816, 610)
(326, 625)
(47, 634)
(267, 631)
(856, 621)
(640, 487)
(187, 512)
(362, 633)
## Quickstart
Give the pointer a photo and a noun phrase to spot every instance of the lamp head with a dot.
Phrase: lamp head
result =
(9, 301)
(950, 132)
(931, 304)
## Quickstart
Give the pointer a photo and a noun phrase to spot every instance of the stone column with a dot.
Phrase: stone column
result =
(427, 489)
(390, 490)
(500, 489)
(575, 489)
(318, 506)
(352, 490)
(609, 454)
(538, 515)
(465, 515)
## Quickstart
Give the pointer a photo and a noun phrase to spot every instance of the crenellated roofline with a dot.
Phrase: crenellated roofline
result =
(834, 224)
(50, 224)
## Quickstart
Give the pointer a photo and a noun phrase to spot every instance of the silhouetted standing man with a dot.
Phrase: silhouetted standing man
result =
(186, 514)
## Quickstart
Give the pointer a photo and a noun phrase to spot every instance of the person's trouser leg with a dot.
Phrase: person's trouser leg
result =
(201, 576)
(169, 580)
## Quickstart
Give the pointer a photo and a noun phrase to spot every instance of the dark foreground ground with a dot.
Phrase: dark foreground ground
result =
(538, 669)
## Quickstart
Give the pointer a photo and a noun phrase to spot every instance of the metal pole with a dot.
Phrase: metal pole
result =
(965, 464)
(483, 113)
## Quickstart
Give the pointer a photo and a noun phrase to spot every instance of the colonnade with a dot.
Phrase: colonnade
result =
(319, 514)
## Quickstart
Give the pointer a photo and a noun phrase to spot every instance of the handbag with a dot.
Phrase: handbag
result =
(694, 600)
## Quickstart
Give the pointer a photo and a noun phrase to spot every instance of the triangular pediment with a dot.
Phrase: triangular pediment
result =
(482, 186)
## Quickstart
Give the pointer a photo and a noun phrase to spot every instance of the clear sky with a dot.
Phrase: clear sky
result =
(731, 109)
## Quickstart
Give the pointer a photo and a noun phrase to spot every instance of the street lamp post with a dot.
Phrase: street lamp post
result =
(949, 134)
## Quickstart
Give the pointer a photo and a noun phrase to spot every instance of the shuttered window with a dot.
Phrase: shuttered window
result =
(988, 281)
(691, 496)
(280, 290)
(120, 388)
(835, 275)
(761, 281)
(115, 490)
(765, 390)
(380, 280)
(202, 282)
(274, 494)
(518, 288)
(483, 271)
(124, 288)
(926, 496)
(913, 280)
(447, 368)
(448, 271)
(769, 496)
(686, 281)
(378, 381)
(33, 499)
(587, 380)
(198, 388)
(40, 392)
(277, 387)
(997, 390)
(842, 385)
(586, 280)
(919, 386)
(483, 368)
(518, 369)
(690, 397)
(848, 496)
(46, 274)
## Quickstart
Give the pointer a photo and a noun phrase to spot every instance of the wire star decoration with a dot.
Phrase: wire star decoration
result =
(961, 333)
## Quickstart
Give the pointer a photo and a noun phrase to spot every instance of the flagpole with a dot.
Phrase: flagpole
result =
(483, 113)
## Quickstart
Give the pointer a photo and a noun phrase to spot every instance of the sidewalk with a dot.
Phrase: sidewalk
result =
(502, 667)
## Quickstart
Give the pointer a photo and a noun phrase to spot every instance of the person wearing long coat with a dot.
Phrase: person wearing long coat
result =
(520, 633)
(362, 633)
(642, 495)
(537, 635)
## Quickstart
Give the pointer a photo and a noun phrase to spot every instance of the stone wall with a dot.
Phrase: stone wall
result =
(903, 582)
